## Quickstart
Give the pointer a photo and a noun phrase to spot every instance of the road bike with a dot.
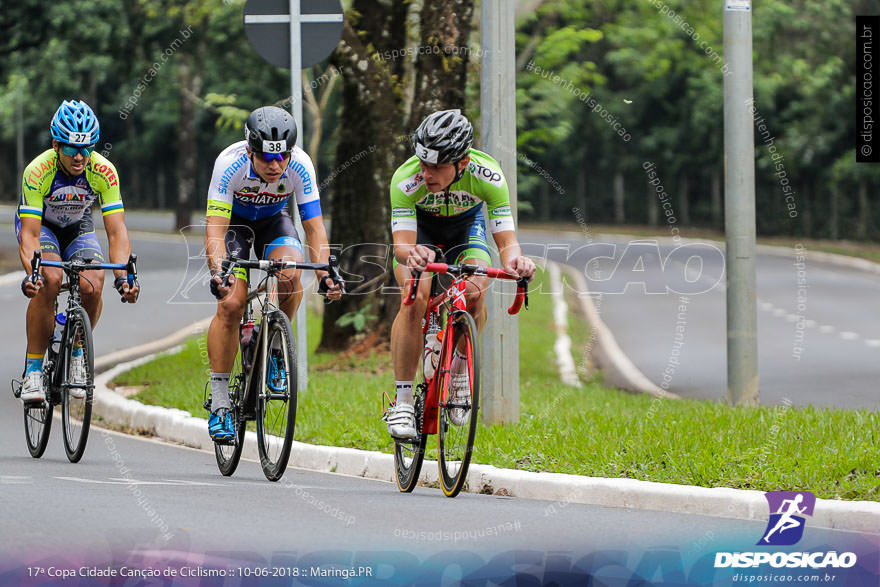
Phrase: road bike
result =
(74, 397)
(438, 410)
(262, 383)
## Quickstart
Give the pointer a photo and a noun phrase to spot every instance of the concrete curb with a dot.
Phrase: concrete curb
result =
(180, 427)
(618, 369)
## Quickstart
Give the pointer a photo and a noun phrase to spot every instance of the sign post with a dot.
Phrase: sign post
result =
(294, 34)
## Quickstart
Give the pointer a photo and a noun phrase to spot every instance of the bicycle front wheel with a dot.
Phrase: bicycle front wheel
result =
(276, 397)
(37, 425)
(229, 454)
(459, 397)
(78, 385)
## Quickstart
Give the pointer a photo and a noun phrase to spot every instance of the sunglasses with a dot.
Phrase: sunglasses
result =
(71, 151)
(269, 157)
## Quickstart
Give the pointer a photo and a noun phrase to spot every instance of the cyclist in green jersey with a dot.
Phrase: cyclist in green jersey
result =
(436, 199)
(54, 216)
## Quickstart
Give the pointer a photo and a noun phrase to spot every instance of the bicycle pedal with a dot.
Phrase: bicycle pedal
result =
(16, 388)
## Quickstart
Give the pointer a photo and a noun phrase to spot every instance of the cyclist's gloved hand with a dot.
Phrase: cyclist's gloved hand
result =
(219, 290)
(521, 266)
(128, 292)
(419, 257)
(30, 288)
(328, 287)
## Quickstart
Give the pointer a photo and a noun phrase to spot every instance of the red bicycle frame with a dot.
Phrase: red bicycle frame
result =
(457, 294)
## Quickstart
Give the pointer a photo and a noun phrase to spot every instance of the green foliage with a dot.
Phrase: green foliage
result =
(358, 319)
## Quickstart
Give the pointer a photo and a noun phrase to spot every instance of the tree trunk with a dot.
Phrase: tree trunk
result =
(684, 203)
(807, 211)
(864, 211)
(834, 221)
(370, 142)
(717, 204)
(619, 210)
(581, 190)
(186, 146)
(653, 206)
(441, 66)
(544, 212)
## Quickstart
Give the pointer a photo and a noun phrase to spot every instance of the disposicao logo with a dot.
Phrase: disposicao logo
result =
(785, 528)
(786, 525)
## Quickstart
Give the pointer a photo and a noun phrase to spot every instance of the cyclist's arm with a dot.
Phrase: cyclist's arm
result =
(35, 184)
(404, 243)
(511, 254)
(316, 241)
(117, 236)
(30, 241)
(404, 226)
(215, 243)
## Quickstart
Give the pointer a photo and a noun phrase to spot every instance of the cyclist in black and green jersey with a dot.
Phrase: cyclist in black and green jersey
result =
(436, 199)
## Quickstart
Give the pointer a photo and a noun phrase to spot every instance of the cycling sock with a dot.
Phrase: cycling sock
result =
(77, 349)
(33, 363)
(404, 392)
(219, 391)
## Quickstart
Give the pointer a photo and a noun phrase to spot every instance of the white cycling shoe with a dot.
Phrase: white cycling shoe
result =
(78, 376)
(461, 394)
(401, 421)
(32, 389)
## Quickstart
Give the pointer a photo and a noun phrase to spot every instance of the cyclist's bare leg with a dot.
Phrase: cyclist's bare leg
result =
(41, 309)
(290, 291)
(223, 332)
(406, 332)
(91, 285)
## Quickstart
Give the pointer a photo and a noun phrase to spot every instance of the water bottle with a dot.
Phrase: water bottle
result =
(431, 356)
(249, 336)
(58, 333)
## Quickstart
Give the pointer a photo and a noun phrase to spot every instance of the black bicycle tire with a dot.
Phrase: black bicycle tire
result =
(36, 449)
(450, 484)
(228, 465)
(408, 477)
(75, 447)
(275, 470)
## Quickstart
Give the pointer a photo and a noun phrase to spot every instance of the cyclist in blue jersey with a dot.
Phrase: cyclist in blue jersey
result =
(54, 216)
(247, 208)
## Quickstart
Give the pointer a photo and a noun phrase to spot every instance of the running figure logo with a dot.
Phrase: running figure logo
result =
(786, 525)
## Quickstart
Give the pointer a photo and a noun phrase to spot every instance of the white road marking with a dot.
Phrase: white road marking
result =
(15, 480)
(848, 335)
(826, 329)
(123, 481)
(872, 342)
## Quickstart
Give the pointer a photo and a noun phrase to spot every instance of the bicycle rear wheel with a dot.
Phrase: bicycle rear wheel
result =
(76, 412)
(409, 454)
(229, 454)
(276, 397)
(457, 416)
(37, 425)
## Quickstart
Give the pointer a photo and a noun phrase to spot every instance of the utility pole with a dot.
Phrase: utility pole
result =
(500, 338)
(739, 206)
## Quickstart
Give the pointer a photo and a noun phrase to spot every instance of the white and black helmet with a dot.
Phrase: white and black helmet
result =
(270, 129)
(443, 137)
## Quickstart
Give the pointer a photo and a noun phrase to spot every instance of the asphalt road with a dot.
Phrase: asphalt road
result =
(818, 328)
(138, 503)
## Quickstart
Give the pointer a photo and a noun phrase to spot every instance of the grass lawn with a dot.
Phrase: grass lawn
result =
(592, 431)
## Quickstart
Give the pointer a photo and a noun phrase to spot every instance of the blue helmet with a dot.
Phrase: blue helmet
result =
(74, 123)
